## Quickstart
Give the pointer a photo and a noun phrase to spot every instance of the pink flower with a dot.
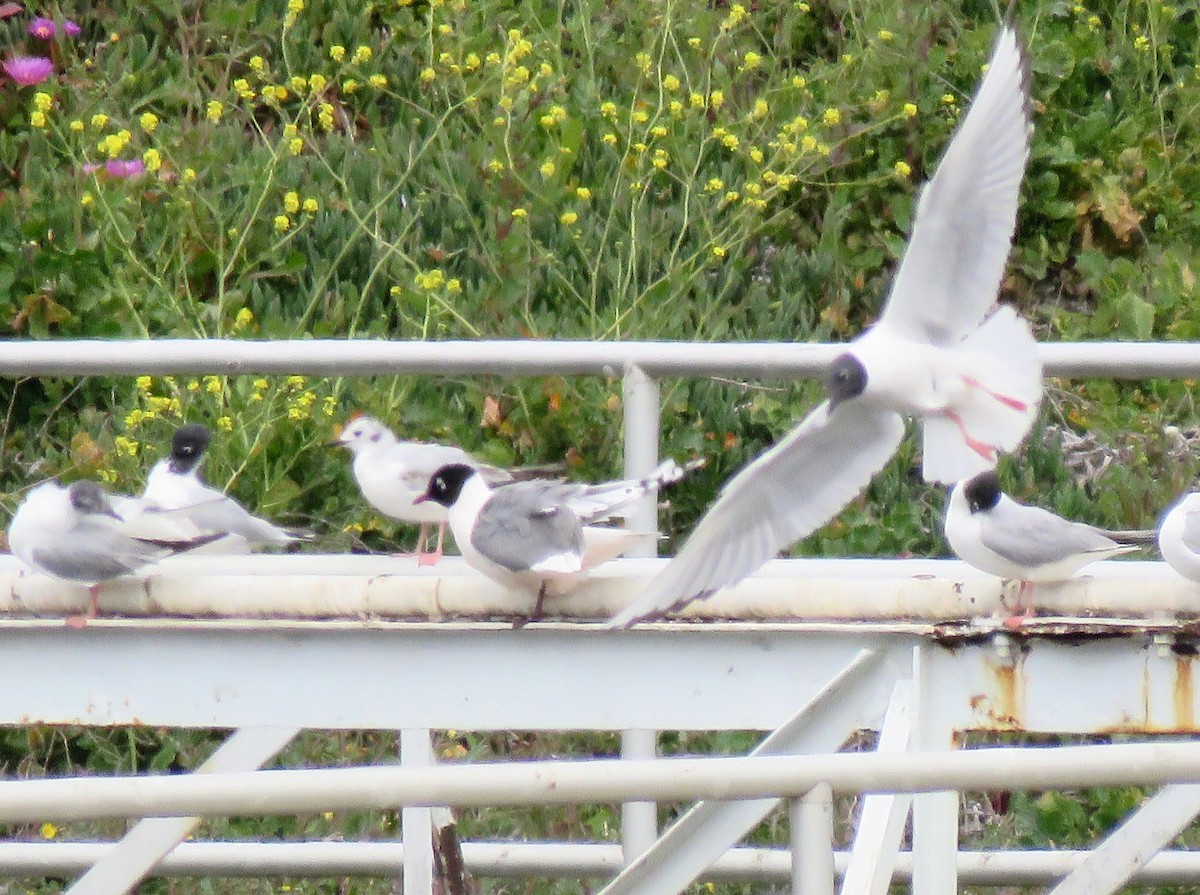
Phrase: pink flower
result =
(43, 29)
(125, 168)
(28, 70)
(71, 28)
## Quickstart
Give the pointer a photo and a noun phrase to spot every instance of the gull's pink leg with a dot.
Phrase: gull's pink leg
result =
(982, 448)
(1006, 400)
(93, 610)
(1023, 611)
(431, 559)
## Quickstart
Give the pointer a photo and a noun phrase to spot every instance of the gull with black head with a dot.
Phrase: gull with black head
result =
(941, 352)
(989, 530)
(541, 535)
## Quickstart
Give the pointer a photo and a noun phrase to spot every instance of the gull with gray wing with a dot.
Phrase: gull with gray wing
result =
(71, 532)
(540, 535)
(941, 352)
(994, 533)
(1179, 536)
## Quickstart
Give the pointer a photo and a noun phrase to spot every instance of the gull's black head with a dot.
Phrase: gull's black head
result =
(982, 492)
(845, 378)
(188, 446)
(446, 484)
(88, 497)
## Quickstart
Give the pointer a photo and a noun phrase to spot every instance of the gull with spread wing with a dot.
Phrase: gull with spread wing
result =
(941, 352)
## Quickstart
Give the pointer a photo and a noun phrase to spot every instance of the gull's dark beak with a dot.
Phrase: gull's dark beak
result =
(422, 499)
(336, 443)
(111, 512)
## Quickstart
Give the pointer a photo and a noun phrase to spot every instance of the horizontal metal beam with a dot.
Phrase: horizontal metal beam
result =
(582, 782)
(517, 860)
(300, 586)
(329, 357)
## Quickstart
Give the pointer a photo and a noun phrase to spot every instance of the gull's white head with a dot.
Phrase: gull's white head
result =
(365, 433)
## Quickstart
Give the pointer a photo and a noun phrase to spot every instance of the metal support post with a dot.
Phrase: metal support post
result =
(639, 820)
(883, 815)
(935, 814)
(812, 842)
(416, 824)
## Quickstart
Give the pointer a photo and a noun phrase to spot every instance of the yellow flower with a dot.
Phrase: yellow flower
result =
(676, 107)
(760, 108)
(148, 121)
(37, 119)
(282, 223)
(214, 110)
(751, 60)
(379, 81)
(910, 110)
(212, 385)
(126, 447)
(583, 193)
(714, 185)
(134, 417)
(547, 168)
(291, 202)
(454, 285)
(642, 61)
(42, 101)
(328, 407)
(349, 86)
(428, 74)
(948, 99)
(76, 125)
(261, 385)
(831, 117)
(696, 100)
(295, 145)
(295, 6)
(808, 143)
(716, 99)
(244, 318)
(257, 63)
(608, 109)
(558, 113)
(189, 174)
(152, 159)
(730, 141)
(658, 131)
(337, 52)
(430, 280)
(144, 383)
(311, 205)
(49, 831)
(317, 82)
(568, 218)
(298, 83)
(799, 82)
(756, 155)
(886, 36)
(281, 92)
(520, 213)
(362, 54)
(670, 82)
(472, 62)
(902, 169)
(99, 119)
(193, 385)
(225, 424)
(86, 199)
(445, 28)
(610, 139)
(718, 251)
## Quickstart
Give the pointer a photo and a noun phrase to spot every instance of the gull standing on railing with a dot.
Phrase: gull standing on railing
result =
(540, 534)
(192, 506)
(940, 352)
(73, 533)
(994, 533)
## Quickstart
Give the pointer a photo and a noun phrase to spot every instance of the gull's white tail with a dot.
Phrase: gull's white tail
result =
(1002, 374)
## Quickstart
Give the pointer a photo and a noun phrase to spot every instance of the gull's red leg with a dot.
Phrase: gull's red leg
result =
(982, 448)
(1007, 400)
(431, 559)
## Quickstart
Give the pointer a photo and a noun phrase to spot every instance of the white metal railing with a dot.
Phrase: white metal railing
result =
(1015, 681)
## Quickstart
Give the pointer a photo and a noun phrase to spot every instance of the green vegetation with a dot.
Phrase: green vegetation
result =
(431, 169)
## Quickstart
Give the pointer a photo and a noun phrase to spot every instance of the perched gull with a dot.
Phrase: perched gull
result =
(539, 534)
(72, 532)
(940, 352)
(1179, 536)
(992, 532)
(177, 500)
(392, 474)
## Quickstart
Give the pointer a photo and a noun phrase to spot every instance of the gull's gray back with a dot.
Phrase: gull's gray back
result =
(94, 552)
(526, 522)
(1033, 537)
